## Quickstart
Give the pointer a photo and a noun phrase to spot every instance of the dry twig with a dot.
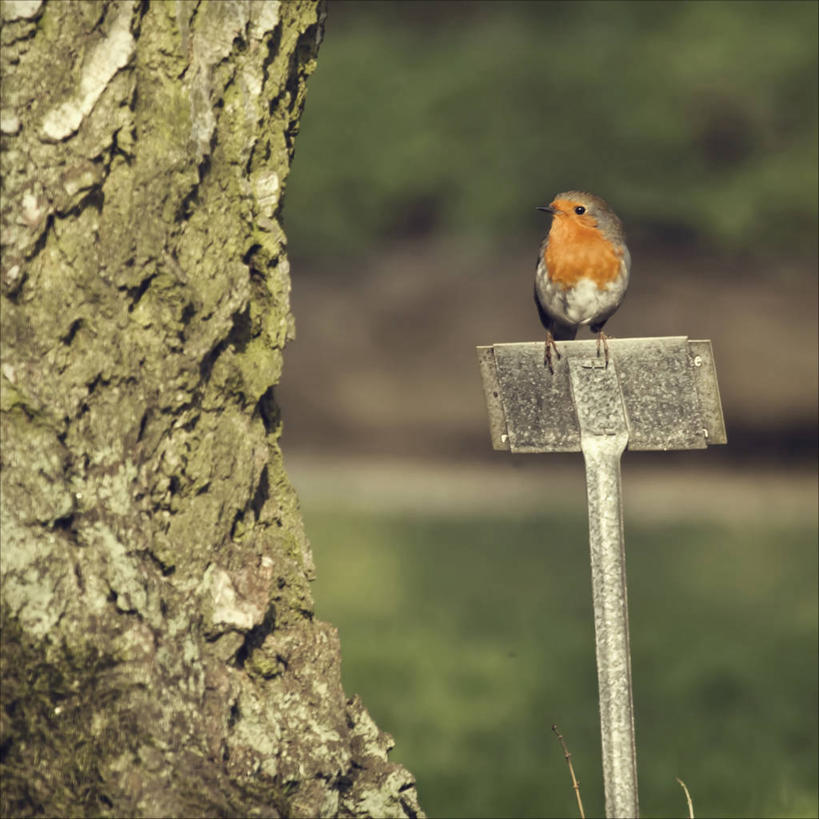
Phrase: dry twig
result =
(575, 783)
(687, 798)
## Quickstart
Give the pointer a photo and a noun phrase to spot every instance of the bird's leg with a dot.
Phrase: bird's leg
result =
(547, 358)
(601, 336)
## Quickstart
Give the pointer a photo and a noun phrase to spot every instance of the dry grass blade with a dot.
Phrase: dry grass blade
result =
(575, 783)
(687, 798)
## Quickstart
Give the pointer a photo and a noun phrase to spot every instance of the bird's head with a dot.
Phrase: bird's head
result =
(584, 210)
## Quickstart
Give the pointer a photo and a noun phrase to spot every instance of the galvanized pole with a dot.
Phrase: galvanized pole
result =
(656, 394)
(603, 438)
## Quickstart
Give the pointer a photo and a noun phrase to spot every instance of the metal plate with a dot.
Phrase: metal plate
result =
(705, 379)
(670, 402)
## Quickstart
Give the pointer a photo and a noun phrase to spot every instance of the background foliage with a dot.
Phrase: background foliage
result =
(469, 637)
(698, 120)
(431, 132)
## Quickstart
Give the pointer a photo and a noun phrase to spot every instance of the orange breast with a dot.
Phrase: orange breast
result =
(577, 252)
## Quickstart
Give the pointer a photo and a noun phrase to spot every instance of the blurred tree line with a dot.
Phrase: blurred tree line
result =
(698, 121)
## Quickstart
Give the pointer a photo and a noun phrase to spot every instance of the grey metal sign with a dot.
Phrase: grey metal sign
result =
(668, 386)
(655, 394)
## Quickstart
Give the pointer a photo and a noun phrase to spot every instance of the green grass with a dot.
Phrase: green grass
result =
(468, 638)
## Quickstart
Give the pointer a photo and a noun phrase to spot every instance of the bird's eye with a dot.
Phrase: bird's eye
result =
(580, 210)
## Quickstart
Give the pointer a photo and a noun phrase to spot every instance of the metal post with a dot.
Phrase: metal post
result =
(603, 438)
(656, 394)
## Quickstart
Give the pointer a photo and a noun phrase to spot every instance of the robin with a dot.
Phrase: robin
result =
(582, 269)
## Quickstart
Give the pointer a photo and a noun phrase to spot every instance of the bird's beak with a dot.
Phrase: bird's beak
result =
(547, 208)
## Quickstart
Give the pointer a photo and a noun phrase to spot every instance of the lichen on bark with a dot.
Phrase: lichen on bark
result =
(160, 655)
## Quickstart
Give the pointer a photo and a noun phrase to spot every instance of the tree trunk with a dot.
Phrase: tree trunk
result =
(160, 655)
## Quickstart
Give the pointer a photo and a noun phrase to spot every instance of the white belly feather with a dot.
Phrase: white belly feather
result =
(584, 303)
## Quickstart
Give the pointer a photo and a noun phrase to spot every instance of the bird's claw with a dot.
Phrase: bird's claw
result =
(601, 336)
(547, 357)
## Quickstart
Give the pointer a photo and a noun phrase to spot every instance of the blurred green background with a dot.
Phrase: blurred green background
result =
(459, 577)
(469, 637)
(698, 119)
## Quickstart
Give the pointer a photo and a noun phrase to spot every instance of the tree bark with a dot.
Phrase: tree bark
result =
(159, 655)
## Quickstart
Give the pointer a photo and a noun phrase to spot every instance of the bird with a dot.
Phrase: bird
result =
(582, 269)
